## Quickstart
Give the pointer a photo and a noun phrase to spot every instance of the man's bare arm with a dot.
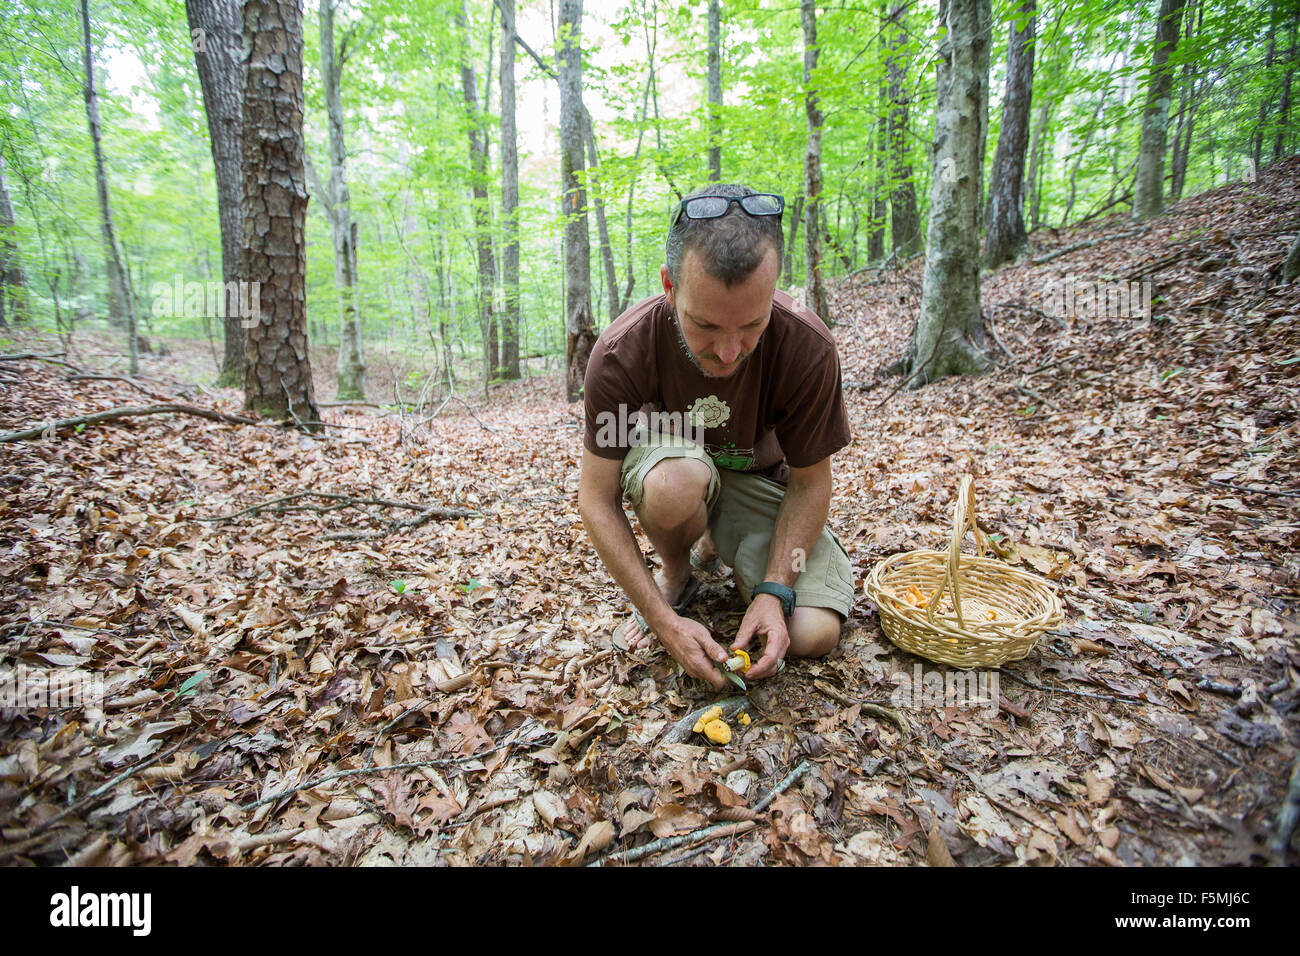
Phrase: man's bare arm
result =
(600, 502)
(799, 520)
(799, 523)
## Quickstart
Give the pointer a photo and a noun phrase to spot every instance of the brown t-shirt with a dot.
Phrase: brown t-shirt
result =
(783, 407)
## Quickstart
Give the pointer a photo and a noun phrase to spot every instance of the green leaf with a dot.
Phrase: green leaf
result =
(189, 686)
(398, 585)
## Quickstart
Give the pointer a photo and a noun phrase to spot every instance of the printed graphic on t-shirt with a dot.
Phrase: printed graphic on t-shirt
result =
(711, 412)
(730, 457)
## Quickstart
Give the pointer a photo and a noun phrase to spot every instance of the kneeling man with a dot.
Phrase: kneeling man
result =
(741, 389)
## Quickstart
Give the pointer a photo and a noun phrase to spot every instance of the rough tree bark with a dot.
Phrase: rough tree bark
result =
(1005, 225)
(815, 293)
(343, 228)
(277, 380)
(905, 218)
(1148, 189)
(509, 198)
(120, 297)
(950, 333)
(715, 92)
(218, 57)
(579, 336)
(13, 284)
(478, 159)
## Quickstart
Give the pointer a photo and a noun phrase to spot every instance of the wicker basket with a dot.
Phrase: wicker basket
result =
(978, 611)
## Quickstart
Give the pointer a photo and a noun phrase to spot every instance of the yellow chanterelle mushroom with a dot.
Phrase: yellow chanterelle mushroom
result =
(718, 732)
(713, 713)
(739, 661)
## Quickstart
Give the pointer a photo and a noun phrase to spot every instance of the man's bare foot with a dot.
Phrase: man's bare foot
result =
(672, 591)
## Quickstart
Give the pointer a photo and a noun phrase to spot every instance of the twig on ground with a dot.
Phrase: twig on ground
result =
(15, 848)
(875, 710)
(1088, 244)
(681, 731)
(1255, 491)
(441, 762)
(708, 833)
(113, 414)
(1114, 698)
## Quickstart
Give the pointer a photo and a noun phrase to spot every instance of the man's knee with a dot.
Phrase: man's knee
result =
(814, 631)
(674, 490)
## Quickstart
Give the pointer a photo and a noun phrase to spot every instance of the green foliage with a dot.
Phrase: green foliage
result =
(408, 163)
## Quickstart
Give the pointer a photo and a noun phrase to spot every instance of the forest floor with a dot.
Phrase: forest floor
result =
(262, 668)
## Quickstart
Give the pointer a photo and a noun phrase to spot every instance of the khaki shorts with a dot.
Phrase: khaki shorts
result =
(742, 516)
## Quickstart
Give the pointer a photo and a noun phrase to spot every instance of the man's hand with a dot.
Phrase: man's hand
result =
(694, 648)
(765, 616)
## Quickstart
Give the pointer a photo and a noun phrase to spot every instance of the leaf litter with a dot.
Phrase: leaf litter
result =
(314, 682)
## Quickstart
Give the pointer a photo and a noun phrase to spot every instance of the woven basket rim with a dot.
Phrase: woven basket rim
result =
(941, 637)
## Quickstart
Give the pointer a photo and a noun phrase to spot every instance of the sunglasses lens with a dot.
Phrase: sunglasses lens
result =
(706, 207)
(762, 205)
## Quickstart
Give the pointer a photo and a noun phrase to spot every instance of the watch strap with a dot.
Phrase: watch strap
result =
(785, 594)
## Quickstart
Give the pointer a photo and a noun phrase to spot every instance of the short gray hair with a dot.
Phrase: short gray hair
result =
(732, 246)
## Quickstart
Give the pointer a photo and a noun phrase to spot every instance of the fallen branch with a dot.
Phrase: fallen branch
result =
(52, 358)
(1113, 698)
(344, 501)
(1256, 491)
(113, 414)
(874, 710)
(718, 831)
(120, 378)
(681, 731)
(15, 848)
(361, 771)
(1088, 244)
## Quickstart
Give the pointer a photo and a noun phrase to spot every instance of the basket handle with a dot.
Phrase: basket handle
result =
(963, 519)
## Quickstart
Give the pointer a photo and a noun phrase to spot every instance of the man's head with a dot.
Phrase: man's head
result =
(720, 276)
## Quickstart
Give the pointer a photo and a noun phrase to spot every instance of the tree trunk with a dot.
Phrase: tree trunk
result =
(796, 217)
(906, 220)
(278, 380)
(579, 337)
(602, 227)
(122, 303)
(1291, 265)
(1284, 104)
(1190, 99)
(715, 92)
(815, 291)
(950, 330)
(509, 197)
(1005, 225)
(215, 25)
(880, 147)
(13, 284)
(351, 361)
(1148, 189)
(478, 158)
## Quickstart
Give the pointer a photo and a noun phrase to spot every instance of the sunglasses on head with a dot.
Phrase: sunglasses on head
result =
(715, 207)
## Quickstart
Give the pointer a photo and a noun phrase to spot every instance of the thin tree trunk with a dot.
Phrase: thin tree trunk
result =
(1284, 103)
(509, 197)
(950, 332)
(278, 381)
(1148, 190)
(715, 92)
(1005, 224)
(217, 32)
(796, 217)
(351, 363)
(815, 291)
(577, 250)
(1257, 140)
(880, 147)
(602, 227)
(478, 156)
(906, 219)
(13, 284)
(1191, 90)
(119, 282)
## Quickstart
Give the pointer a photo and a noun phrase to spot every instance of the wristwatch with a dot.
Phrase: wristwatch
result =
(778, 590)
